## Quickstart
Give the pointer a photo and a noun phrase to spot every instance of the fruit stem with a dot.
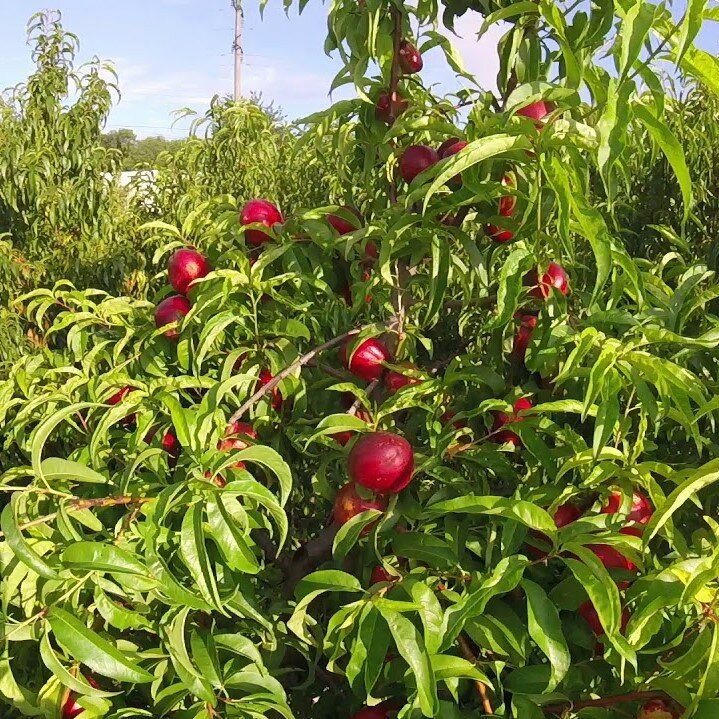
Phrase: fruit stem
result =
(559, 709)
(468, 654)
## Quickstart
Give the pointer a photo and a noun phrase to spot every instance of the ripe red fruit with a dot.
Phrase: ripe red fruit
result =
(348, 504)
(502, 436)
(380, 574)
(382, 462)
(416, 159)
(565, 514)
(524, 335)
(657, 709)
(610, 557)
(589, 614)
(72, 709)
(449, 418)
(185, 266)
(371, 251)
(388, 109)
(235, 439)
(641, 510)
(394, 381)
(367, 361)
(377, 712)
(120, 395)
(265, 377)
(170, 444)
(537, 110)
(555, 276)
(342, 225)
(447, 150)
(498, 234)
(451, 147)
(171, 309)
(259, 211)
(410, 59)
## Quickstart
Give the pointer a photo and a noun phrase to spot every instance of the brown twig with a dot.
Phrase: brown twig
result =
(558, 709)
(468, 654)
(79, 504)
(300, 362)
(358, 402)
(308, 557)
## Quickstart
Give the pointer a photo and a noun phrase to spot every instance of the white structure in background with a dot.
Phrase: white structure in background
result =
(134, 181)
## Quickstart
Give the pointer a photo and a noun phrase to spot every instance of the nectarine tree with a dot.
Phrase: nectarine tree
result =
(344, 452)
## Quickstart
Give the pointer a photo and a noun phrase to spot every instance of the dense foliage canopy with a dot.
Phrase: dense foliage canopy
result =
(445, 447)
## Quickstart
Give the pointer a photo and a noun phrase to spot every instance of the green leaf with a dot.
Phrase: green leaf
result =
(634, 30)
(102, 558)
(194, 555)
(229, 537)
(67, 679)
(477, 151)
(19, 545)
(673, 150)
(411, 648)
(545, 628)
(691, 25)
(350, 532)
(449, 667)
(425, 548)
(327, 580)
(91, 649)
(439, 277)
(703, 477)
(56, 468)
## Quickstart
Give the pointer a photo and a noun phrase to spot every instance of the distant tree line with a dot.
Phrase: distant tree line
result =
(138, 152)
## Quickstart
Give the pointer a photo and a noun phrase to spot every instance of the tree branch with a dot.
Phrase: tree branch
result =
(308, 557)
(300, 362)
(77, 504)
(481, 687)
(558, 709)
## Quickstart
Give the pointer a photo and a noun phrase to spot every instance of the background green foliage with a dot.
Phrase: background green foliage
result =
(166, 587)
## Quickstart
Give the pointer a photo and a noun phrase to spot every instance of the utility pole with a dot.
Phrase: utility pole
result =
(237, 47)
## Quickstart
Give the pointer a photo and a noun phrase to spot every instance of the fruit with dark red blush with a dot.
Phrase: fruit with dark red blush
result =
(171, 309)
(380, 574)
(259, 212)
(367, 362)
(641, 510)
(611, 557)
(185, 266)
(447, 150)
(501, 419)
(237, 437)
(565, 514)
(590, 616)
(657, 709)
(342, 225)
(72, 709)
(394, 381)
(345, 436)
(507, 204)
(527, 323)
(388, 109)
(415, 160)
(382, 462)
(555, 277)
(381, 711)
(371, 251)
(117, 398)
(349, 503)
(449, 418)
(265, 378)
(537, 110)
(410, 59)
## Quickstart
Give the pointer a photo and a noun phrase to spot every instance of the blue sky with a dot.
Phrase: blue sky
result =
(176, 53)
